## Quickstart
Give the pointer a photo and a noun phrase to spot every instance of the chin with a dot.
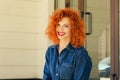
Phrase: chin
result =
(60, 38)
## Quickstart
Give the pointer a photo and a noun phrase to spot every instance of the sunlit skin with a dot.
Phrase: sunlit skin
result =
(63, 32)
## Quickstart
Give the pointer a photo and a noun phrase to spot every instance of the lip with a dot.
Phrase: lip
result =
(61, 33)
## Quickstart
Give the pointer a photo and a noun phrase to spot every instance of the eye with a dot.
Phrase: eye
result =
(58, 25)
(66, 26)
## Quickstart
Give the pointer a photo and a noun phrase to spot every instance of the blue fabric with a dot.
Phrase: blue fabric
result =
(71, 64)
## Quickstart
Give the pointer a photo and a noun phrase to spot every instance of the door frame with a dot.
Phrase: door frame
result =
(114, 38)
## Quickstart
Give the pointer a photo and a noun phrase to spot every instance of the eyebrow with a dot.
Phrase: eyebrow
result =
(64, 24)
(67, 24)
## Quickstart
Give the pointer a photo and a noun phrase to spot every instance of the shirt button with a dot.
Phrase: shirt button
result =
(57, 74)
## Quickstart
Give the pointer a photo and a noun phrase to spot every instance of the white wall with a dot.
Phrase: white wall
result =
(22, 40)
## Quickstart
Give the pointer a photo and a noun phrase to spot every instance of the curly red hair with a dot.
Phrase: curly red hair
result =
(77, 28)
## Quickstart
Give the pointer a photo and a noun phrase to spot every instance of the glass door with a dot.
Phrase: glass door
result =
(98, 42)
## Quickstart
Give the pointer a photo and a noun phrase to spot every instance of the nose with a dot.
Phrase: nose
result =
(60, 28)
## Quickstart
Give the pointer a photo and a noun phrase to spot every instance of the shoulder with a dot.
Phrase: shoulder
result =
(51, 49)
(82, 51)
(83, 55)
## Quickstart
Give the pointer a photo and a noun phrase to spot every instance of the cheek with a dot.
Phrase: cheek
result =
(69, 33)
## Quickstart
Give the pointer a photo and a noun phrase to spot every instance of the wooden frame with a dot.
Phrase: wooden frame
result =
(114, 25)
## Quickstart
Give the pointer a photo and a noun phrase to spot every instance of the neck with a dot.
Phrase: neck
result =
(62, 45)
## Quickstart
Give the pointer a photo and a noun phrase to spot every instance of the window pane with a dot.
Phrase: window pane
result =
(98, 43)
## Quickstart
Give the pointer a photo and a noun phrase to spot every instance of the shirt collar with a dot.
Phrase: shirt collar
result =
(69, 47)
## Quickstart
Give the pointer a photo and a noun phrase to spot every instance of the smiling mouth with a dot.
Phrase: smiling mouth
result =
(61, 33)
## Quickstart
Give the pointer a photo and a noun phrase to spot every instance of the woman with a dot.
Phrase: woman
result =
(66, 59)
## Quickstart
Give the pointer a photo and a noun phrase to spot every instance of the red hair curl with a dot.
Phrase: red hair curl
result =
(77, 28)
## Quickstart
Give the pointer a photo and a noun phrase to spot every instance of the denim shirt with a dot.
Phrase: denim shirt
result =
(71, 64)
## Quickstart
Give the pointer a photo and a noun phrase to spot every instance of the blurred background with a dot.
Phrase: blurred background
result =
(22, 38)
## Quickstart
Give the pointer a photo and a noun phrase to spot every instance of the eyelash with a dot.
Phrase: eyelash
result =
(64, 26)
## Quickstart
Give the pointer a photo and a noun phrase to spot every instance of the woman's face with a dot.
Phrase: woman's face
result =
(63, 29)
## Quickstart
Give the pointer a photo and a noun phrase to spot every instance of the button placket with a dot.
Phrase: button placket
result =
(57, 70)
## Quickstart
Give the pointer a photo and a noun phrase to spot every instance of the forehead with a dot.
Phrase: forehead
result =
(65, 20)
